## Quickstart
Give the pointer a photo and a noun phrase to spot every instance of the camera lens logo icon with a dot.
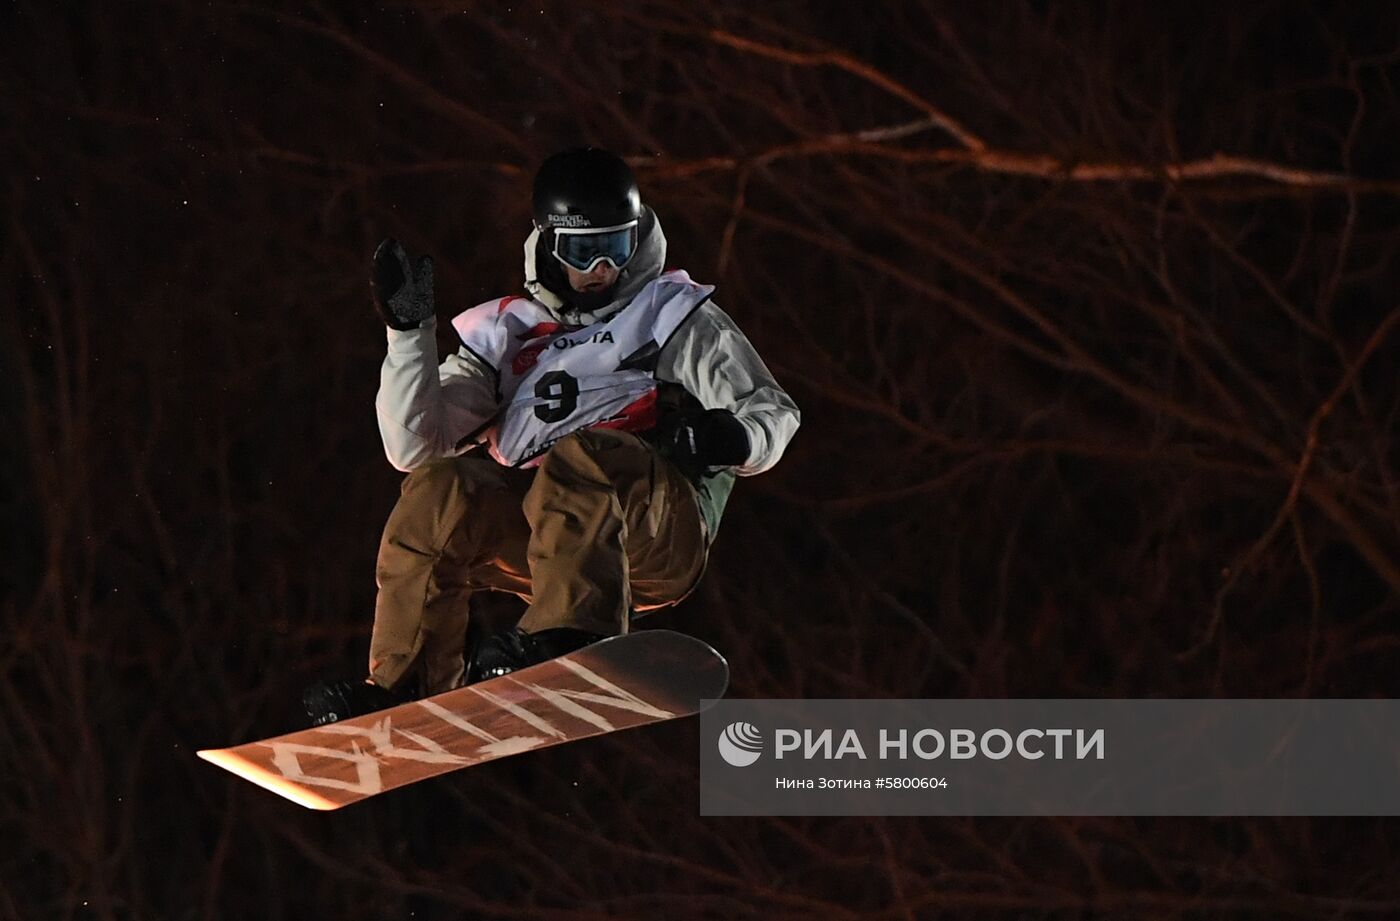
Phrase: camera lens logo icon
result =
(740, 744)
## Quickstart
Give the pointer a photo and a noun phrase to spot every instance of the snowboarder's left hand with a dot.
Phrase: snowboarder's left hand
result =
(702, 438)
(403, 294)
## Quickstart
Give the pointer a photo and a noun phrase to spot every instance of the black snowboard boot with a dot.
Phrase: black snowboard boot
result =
(332, 701)
(503, 653)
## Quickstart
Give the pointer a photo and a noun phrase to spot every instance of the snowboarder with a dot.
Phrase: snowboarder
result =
(577, 450)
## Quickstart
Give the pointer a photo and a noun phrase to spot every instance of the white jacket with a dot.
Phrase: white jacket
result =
(427, 410)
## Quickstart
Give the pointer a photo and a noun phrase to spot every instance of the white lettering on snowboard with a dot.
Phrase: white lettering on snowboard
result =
(494, 747)
(380, 736)
(382, 745)
(519, 712)
(452, 719)
(563, 698)
(367, 782)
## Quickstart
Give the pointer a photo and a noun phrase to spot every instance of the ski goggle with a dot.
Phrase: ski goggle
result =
(582, 248)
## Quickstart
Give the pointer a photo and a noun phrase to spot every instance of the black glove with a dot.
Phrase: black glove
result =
(694, 439)
(403, 295)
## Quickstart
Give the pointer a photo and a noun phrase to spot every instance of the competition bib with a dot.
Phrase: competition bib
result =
(554, 379)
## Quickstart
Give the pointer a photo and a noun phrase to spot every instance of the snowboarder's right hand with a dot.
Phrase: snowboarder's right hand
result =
(403, 294)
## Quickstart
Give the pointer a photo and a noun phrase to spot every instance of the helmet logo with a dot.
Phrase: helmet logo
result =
(568, 220)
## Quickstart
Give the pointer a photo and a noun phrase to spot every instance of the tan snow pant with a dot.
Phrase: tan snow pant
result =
(602, 526)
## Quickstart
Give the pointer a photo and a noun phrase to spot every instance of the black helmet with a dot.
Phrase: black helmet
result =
(585, 188)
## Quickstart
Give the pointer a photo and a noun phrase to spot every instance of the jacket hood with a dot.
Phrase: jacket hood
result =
(546, 282)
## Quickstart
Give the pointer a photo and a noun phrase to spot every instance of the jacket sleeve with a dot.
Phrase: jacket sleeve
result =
(425, 410)
(711, 358)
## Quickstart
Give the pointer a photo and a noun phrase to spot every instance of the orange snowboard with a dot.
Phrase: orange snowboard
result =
(618, 683)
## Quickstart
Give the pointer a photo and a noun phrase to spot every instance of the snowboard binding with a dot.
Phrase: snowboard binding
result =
(335, 700)
(514, 649)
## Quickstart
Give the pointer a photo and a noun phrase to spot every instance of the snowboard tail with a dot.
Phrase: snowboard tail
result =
(618, 683)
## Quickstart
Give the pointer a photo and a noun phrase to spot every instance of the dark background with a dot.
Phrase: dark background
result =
(1088, 411)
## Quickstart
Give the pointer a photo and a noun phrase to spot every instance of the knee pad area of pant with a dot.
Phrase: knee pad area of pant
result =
(614, 454)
